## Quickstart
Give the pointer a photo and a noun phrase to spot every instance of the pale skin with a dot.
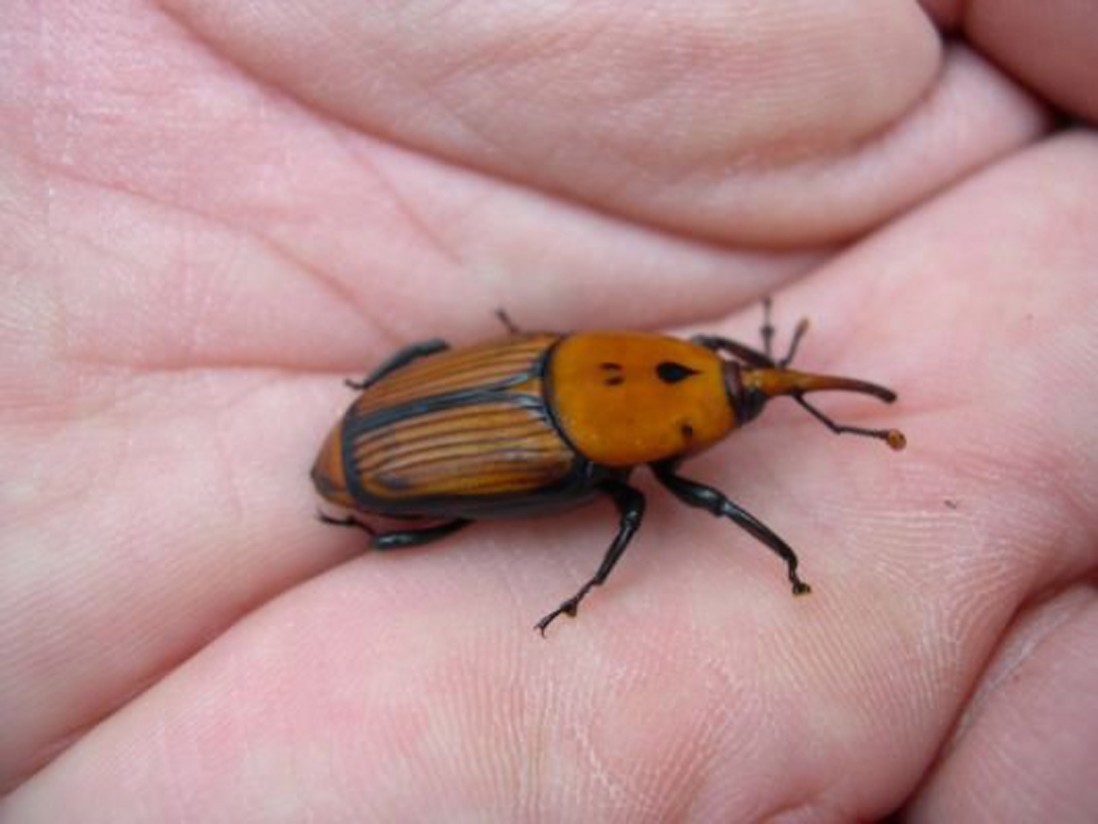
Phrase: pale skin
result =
(212, 213)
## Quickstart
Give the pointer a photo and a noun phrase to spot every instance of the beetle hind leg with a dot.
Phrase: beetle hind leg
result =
(399, 538)
(348, 521)
(505, 319)
(716, 503)
(401, 359)
(630, 503)
(766, 331)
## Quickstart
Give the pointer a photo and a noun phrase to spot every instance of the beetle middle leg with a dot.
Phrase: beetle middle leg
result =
(401, 359)
(630, 503)
(399, 538)
(716, 503)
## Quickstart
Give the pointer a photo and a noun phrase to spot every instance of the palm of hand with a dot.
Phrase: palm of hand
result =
(215, 217)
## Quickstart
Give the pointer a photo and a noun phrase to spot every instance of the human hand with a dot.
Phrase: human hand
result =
(212, 213)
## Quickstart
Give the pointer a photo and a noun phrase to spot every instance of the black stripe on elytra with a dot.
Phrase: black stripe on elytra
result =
(413, 427)
(671, 372)
(412, 437)
(432, 452)
(578, 484)
(354, 426)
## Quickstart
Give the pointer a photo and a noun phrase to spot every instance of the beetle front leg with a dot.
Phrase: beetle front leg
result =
(716, 503)
(401, 359)
(716, 343)
(630, 503)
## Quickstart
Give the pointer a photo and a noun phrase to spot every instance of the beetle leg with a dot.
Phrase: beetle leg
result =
(347, 521)
(505, 319)
(401, 359)
(716, 503)
(766, 331)
(750, 355)
(399, 538)
(630, 503)
(742, 351)
(794, 342)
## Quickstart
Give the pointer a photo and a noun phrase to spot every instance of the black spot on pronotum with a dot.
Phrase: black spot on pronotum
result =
(687, 431)
(613, 373)
(671, 372)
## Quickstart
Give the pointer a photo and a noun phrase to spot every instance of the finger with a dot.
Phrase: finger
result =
(729, 122)
(200, 177)
(1051, 47)
(1026, 740)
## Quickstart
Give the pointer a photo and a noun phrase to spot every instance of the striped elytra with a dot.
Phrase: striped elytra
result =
(469, 425)
(539, 422)
(494, 366)
(488, 447)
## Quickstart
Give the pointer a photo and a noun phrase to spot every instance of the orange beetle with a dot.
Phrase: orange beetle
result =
(538, 422)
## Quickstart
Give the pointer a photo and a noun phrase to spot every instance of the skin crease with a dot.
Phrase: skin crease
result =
(212, 212)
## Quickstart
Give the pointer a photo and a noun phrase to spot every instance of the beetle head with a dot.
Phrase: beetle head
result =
(753, 378)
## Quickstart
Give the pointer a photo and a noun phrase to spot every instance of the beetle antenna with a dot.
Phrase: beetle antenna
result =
(893, 437)
(766, 383)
